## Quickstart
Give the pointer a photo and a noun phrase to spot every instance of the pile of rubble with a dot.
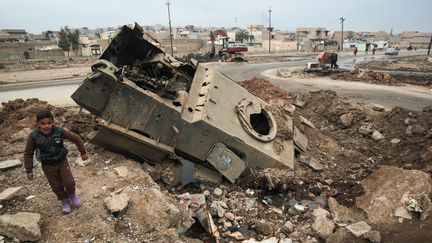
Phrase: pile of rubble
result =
(364, 176)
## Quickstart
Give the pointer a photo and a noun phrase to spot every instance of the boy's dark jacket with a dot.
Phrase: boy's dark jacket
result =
(50, 147)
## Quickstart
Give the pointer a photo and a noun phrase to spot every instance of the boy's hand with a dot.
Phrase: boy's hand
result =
(30, 175)
(84, 157)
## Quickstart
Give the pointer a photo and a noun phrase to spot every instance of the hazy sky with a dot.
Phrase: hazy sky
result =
(366, 15)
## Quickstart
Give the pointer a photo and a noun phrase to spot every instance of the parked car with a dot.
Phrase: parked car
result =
(392, 51)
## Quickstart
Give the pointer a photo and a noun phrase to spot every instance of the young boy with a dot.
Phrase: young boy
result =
(48, 140)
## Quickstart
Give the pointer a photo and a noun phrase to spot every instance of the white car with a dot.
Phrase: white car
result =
(392, 51)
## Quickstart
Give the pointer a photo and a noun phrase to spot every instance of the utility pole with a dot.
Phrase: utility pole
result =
(270, 29)
(430, 44)
(170, 31)
(342, 19)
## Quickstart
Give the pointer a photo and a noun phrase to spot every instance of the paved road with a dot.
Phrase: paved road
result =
(410, 96)
(58, 92)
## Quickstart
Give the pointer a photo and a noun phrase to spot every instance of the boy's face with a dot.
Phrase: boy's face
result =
(46, 125)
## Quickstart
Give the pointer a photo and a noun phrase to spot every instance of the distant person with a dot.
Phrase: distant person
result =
(373, 50)
(334, 58)
(355, 51)
(367, 49)
(47, 140)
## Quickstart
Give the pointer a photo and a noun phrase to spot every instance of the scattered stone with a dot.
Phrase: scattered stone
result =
(377, 107)
(2, 238)
(230, 216)
(376, 136)
(13, 193)
(389, 188)
(288, 227)
(22, 226)
(328, 181)
(299, 103)
(9, 164)
(122, 171)
(30, 197)
(311, 162)
(346, 119)
(117, 204)
(365, 129)
(206, 193)
(373, 236)
(306, 121)
(236, 235)
(218, 192)
(360, 228)
(343, 214)
(418, 130)
(395, 141)
(322, 225)
(216, 209)
(408, 166)
(232, 204)
(263, 227)
(408, 130)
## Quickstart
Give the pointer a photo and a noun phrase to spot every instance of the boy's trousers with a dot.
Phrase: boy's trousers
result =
(60, 179)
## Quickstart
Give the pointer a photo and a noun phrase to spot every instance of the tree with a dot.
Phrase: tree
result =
(74, 39)
(242, 35)
(64, 42)
(68, 40)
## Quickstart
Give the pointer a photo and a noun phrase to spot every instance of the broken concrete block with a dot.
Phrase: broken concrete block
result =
(299, 103)
(322, 225)
(23, 226)
(395, 141)
(117, 204)
(342, 235)
(376, 136)
(343, 214)
(358, 229)
(263, 227)
(377, 107)
(9, 164)
(122, 171)
(403, 213)
(13, 193)
(306, 121)
(311, 162)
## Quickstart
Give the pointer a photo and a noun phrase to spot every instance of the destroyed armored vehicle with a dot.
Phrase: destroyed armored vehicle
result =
(154, 106)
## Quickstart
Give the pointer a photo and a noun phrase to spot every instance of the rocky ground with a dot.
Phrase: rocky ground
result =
(365, 176)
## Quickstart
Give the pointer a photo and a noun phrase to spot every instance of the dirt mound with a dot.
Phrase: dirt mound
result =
(409, 64)
(368, 77)
(345, 141)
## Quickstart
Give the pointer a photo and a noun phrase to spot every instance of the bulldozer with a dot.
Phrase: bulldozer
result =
(153, 106)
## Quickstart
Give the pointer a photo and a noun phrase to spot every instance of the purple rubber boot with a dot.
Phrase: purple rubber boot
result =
(75, 201)
(66, 206)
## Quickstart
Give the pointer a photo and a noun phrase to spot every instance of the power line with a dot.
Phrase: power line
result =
(342, 19)
(270, 28)
(170, 31)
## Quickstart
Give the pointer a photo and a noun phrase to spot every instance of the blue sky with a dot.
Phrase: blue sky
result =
(367, 15)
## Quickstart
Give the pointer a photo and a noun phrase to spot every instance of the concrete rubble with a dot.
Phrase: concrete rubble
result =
(117, 204)
(389, 188)
(10, 164)
(13, 193)
(22, 226)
